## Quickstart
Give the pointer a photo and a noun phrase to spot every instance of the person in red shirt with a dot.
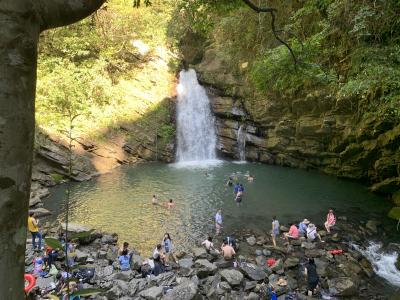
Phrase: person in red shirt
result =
(293, 233)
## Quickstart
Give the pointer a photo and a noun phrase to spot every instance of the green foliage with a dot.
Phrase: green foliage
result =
(58, 178)
(88, 292)
(53, 243)
(80, 235)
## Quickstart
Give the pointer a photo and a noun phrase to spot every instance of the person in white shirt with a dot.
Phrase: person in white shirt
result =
(312, 233)
(208, 244)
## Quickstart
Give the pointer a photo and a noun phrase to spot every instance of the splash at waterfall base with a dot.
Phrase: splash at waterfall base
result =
(202, 275)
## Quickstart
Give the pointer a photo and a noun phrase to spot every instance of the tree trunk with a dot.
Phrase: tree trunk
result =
(18, 42)
(20, 24)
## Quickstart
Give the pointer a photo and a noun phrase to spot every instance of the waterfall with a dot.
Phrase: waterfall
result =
(196, 138)
(241, 143)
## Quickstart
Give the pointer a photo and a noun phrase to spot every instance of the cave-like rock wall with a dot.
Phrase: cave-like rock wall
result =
(314, 132)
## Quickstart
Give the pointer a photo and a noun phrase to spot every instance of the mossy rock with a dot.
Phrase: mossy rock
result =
(396, 198)
(394, 213)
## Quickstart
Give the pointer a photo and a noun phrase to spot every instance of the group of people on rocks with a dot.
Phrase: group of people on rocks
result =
(157, 264)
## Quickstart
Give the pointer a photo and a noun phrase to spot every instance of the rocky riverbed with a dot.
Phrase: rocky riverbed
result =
(199, 275)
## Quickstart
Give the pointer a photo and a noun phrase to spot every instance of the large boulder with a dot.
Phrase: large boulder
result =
(343, 286)
(41, 212)
(81, 256)
(136, 262)
(137, 285)
(233, 277)
(205, 268)
(252, 272)
(152, 293)
(251, 240)
(291, 262)
(187, 290)
(199, 252)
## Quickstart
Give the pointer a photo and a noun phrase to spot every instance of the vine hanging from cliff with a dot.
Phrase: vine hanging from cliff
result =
(275, 31)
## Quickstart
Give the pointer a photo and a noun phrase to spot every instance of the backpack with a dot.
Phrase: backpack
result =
(85, 274)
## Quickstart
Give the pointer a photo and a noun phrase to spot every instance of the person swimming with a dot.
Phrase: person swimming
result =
(170, 204)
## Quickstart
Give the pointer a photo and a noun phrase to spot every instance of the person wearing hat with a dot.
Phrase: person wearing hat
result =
(312, 233)
(303, 227)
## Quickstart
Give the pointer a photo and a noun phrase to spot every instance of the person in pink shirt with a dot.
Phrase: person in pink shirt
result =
(330, 220)
(293, 233)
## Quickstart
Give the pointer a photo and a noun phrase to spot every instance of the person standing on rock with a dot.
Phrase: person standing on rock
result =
(312, 277)
(218, 222)
(167, 245)
(330, 220)
(33, 227)
(275, 230)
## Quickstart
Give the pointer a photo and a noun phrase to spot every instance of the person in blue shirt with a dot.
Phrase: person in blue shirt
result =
(124, 260)
(303, 227)
(236, 188)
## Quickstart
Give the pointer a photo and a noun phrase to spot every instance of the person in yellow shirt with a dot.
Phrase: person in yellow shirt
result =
(33, 227)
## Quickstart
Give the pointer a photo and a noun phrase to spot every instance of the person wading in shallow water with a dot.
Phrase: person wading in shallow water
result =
(154, 200)
(218, 222)
(170, 204)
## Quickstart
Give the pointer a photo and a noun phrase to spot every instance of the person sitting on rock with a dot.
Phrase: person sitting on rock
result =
(231, 241)
(312, 277)
(293, 233)
(125, 246)
(330, 220)
(158, 266)
(124, 261)
(50, 255)
(145, 269)
(208, 244)
(227, 251)
(303, 227)
(158, 253)
(312, 233)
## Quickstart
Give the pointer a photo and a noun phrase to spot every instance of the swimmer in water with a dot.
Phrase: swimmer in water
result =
(170, 204)
(154, 200)
(250, 178)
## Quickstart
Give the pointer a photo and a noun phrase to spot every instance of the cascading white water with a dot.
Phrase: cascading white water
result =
(383, 263)
(196, 138)
(241, 143)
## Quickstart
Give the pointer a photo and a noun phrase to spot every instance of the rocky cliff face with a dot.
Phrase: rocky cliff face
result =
(315, 131)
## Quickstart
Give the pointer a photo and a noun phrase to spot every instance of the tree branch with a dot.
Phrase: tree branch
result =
(258, 9)
(272, 11)
(56, 13)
